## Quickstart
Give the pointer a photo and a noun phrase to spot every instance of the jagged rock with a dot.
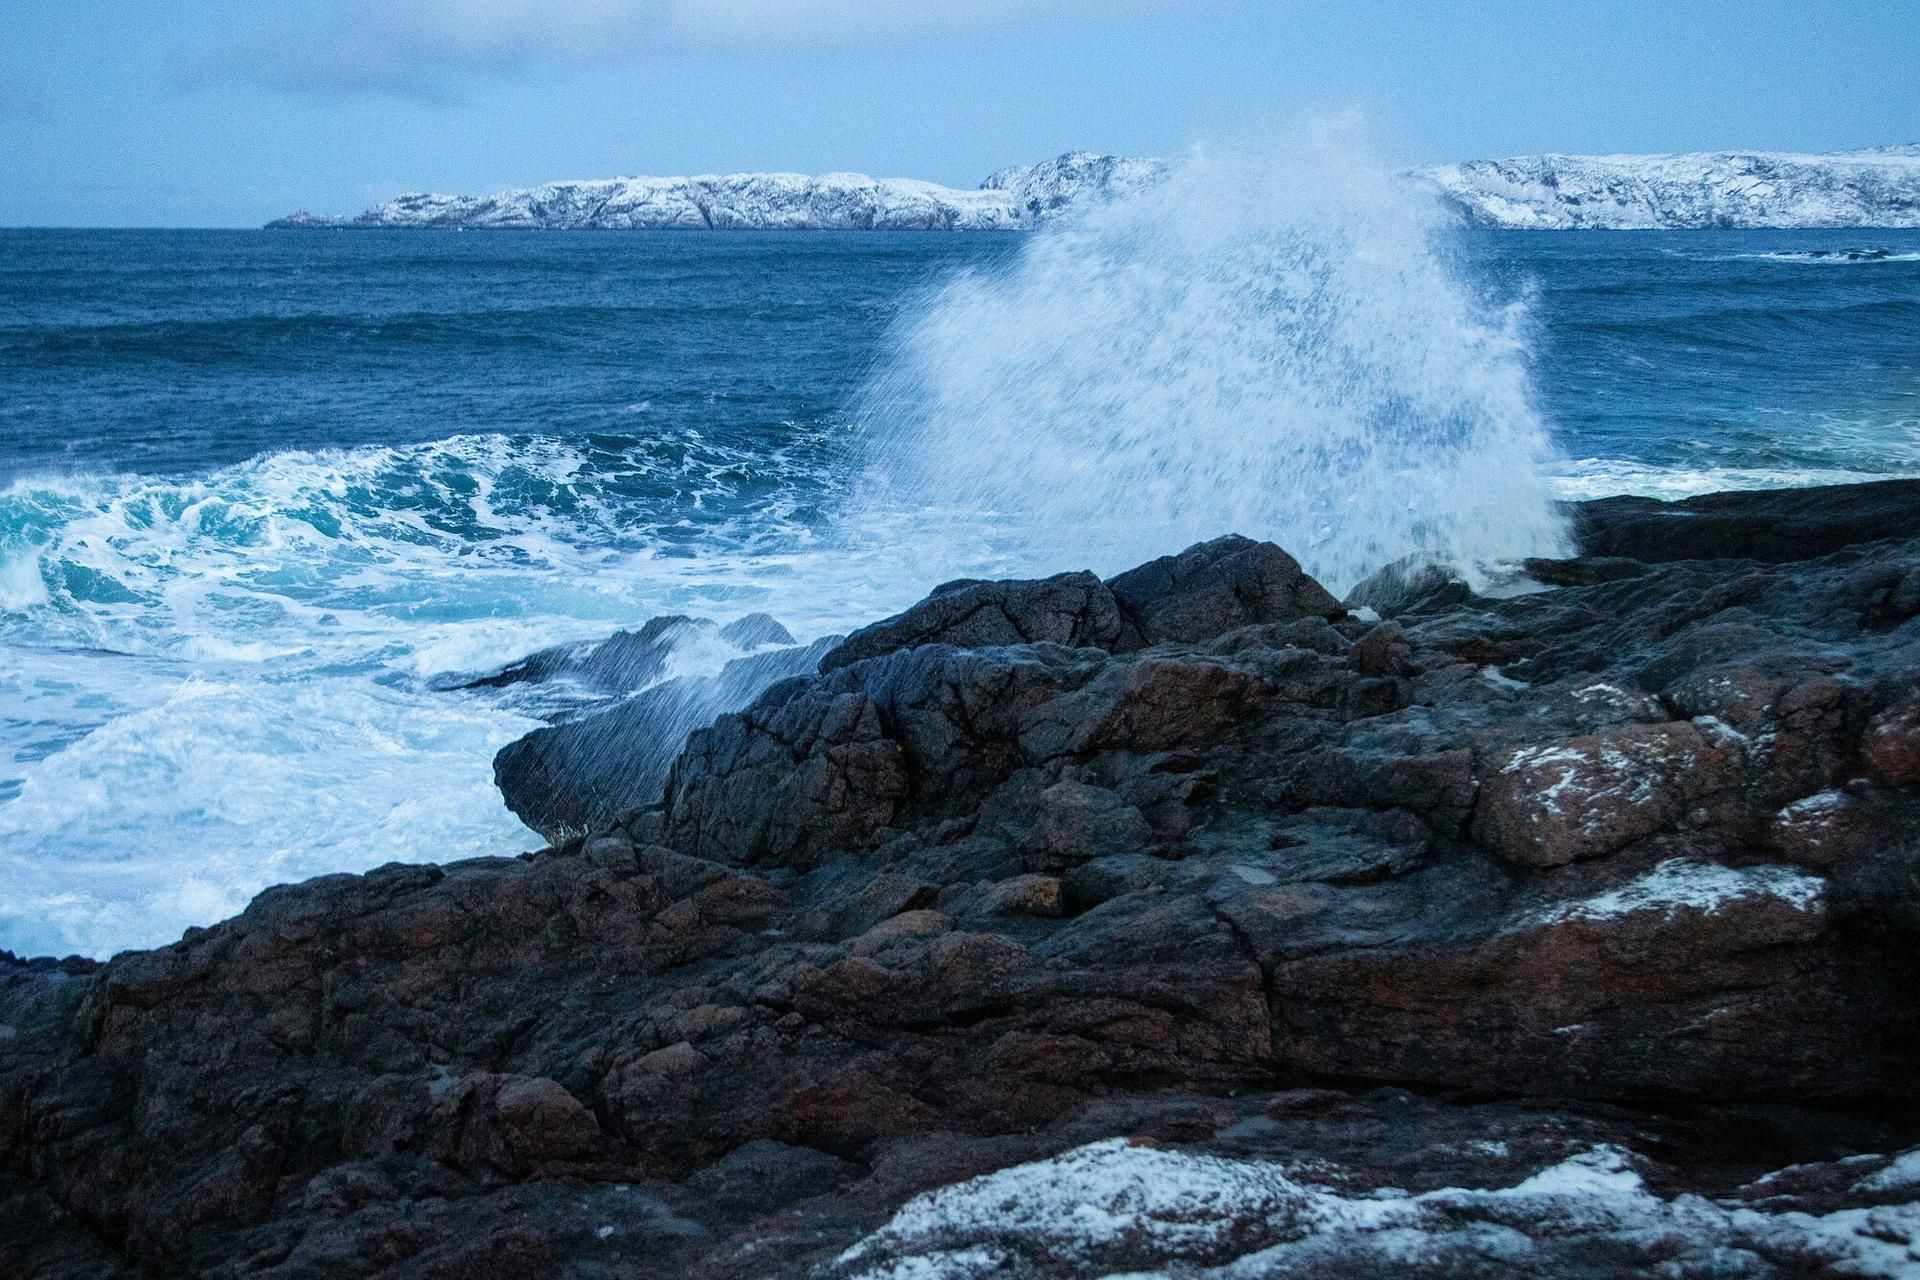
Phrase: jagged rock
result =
(623, 661)
(1409, 586)
(1215, 587)
(589, 772)
(1079, 823)
(942, 911)
(1073, 609)
(1383, 651)
(1549, 804)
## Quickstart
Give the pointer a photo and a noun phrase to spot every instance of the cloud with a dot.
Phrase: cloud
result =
(415, 48)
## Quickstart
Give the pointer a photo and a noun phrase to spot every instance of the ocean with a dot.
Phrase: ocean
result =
(266, 498)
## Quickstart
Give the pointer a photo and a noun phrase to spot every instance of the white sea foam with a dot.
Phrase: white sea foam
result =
(1608, 477)
(217, 683)
(1275, 346)
(1832, 257)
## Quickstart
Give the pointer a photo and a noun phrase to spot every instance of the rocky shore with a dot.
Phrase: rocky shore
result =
(1190, 921)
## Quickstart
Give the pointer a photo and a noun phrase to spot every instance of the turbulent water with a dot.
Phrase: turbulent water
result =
(265, 497)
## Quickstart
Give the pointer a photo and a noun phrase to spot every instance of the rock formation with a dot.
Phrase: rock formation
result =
(1570, 932)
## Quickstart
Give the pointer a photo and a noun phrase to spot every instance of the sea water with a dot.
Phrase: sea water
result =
(266, 498)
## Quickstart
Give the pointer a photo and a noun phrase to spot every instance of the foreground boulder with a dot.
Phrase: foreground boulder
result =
(594, 768)
(1623, 878)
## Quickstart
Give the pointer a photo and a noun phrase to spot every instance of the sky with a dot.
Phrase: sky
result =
(227, 113)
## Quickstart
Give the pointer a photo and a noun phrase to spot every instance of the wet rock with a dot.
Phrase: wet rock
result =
(1778, 525)
(1073, 609)
(590, 772)
(1215, 587)
(1583, 571)
(1408, 587)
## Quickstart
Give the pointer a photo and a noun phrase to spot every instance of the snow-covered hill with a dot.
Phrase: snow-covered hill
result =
(1021, 196)
(1873, 188)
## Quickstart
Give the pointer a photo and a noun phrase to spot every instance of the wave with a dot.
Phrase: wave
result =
(1834, 257)
(1765, 324)
(1586, 478)
(243, 340)
(1273, 345)
(215, 683)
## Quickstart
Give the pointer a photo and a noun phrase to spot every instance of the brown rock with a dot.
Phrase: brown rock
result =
(1079, 822)
(1029, 895)
(1891, 745)
(1584, 797)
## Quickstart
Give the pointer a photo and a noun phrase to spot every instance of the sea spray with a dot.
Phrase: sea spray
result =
(1272, 345)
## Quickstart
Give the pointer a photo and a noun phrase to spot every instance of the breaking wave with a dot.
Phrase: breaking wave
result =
(217, 683)
(1277, 346)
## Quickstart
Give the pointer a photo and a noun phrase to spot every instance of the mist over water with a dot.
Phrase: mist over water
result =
(1276, 346)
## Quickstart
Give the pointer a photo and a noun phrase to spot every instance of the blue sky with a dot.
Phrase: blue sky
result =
(220, 113)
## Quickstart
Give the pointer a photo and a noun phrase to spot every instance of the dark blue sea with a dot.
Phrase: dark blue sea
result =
(265, 495)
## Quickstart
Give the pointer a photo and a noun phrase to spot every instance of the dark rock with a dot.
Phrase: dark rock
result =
(1073, 609)
(1409, 587)
(591, 772)
(1651, 877)
(1383, 651)
(1891, 745)
(763, 1177)
(1215, 587)
(1548, 804)
(1774, 525)
(623, 661)
(1080, 822)
(1583, 571)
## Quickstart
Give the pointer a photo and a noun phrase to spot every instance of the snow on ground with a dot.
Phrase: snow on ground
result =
(1876, 188)
(1112, 1207)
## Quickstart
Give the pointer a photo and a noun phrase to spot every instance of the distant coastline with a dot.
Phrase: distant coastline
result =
(1877, 188)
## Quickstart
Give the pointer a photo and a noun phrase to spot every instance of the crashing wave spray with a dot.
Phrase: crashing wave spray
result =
(1267, 346)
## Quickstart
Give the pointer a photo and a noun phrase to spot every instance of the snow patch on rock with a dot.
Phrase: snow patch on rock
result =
(1113, 1205)
(1680, 885)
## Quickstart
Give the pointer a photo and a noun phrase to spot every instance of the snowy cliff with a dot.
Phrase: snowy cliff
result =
(1012, 198)
(1873, 188)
